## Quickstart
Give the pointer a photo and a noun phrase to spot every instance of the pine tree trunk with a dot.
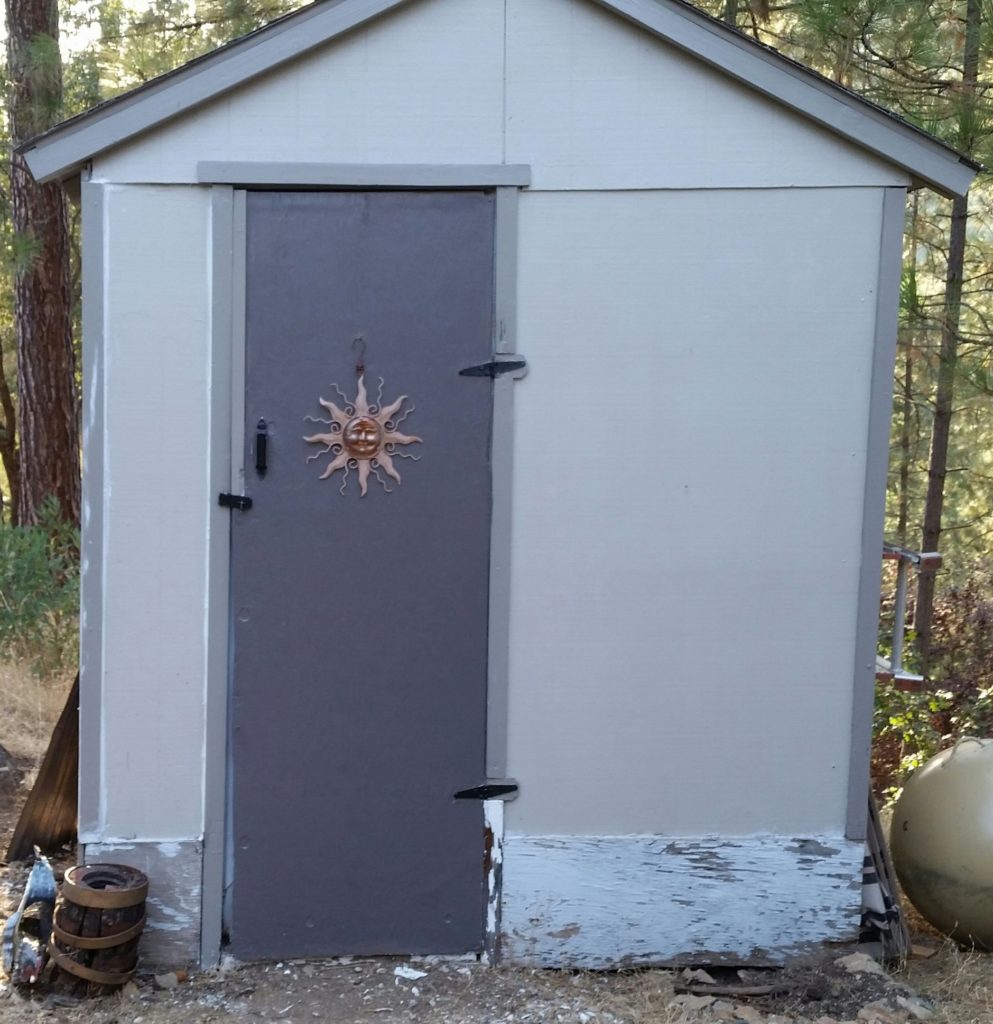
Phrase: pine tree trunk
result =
(47, 419)
(906, 340)
(8, 444)
(945, 391)
(730, 13)
(941, 425)
(906, 413)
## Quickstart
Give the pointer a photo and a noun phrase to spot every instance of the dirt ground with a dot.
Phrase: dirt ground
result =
(432, 991)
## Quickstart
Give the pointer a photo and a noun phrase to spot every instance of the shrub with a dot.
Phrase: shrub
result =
(957, 699)
(39, 593)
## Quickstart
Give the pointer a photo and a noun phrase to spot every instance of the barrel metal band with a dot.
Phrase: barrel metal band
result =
(88, 973)
(98, 942)
(105, 899)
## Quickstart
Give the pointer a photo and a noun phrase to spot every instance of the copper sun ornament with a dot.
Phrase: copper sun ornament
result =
(362, 437)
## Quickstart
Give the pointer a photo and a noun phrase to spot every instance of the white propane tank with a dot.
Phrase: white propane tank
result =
(941, 840)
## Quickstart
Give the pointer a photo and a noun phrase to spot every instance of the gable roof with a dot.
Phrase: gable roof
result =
(62, 151)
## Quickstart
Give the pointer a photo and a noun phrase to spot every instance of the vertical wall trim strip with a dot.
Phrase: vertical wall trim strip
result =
(218, 564)
(92, 525)
(238, 346)
(874, 505)
(502, 462)
(236, 483)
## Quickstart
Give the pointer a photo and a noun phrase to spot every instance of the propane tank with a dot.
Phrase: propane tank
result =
(941, 839)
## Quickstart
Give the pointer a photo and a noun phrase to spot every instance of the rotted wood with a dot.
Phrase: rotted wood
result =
(48, 818)
(98, 924)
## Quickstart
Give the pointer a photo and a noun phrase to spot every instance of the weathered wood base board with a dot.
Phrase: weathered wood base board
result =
(611, 901)
(174, 869)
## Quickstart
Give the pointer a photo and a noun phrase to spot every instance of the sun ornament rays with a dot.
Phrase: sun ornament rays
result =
(362, 437)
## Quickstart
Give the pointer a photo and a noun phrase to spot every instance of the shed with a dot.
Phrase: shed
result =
(486, 411)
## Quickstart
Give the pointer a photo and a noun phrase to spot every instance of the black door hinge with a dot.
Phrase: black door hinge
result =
(494, 368)
(489, 791)
(241, 502)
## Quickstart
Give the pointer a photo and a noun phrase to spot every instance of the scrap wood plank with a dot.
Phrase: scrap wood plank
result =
(895, 935)
(48, 818)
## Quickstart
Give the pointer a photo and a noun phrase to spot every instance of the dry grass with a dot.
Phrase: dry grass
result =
(959, 982)
(644, 996)
(29, 707)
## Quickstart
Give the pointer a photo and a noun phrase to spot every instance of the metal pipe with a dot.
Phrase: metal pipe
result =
(899, 615)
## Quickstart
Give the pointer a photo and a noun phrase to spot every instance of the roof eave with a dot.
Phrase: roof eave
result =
(922, 156)
(65, 150)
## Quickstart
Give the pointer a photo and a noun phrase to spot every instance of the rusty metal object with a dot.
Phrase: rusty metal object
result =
(98, 923)
(941, 840)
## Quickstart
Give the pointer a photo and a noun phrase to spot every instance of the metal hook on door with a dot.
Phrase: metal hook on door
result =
(358, 347)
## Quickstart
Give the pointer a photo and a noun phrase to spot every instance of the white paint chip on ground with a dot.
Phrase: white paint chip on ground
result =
(409, 973)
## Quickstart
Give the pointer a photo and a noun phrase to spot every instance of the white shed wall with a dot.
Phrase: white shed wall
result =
(697, 284)
(590, 101)
(688, 477)
(156, 504)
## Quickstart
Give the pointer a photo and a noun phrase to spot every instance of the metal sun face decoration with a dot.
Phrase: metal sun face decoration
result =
(362, 437)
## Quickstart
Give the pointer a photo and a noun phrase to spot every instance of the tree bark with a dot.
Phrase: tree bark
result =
(730, 13)
(906, 339)
(906, 412)
(8, 444)
(47, 418)
(945, 391)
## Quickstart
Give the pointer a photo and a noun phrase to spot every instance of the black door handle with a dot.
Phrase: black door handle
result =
(261, 444)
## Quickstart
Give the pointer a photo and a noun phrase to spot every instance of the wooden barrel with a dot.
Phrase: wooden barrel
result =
(98, 921)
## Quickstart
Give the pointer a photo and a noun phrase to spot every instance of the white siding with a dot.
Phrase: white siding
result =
(594, 102)
(690, 451)
(421, 85)
(156, 342)
(590, 101)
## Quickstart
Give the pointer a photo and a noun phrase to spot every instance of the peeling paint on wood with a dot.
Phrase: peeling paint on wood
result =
(493, 868)
(608, 901)
(172, 934)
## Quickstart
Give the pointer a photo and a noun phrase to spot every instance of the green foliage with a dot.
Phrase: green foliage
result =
(133, 43)
(39, 593)
(910, 728)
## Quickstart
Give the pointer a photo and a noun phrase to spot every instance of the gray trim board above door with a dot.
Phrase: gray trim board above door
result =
(316, 175)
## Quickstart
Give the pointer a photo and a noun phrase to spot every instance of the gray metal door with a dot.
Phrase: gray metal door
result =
(359, 622)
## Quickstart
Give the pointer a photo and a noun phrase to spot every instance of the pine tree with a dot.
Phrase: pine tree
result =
(47, 418)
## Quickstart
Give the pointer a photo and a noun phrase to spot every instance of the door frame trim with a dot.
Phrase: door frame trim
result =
(226, 437)
(227, 263)
(502, 469)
